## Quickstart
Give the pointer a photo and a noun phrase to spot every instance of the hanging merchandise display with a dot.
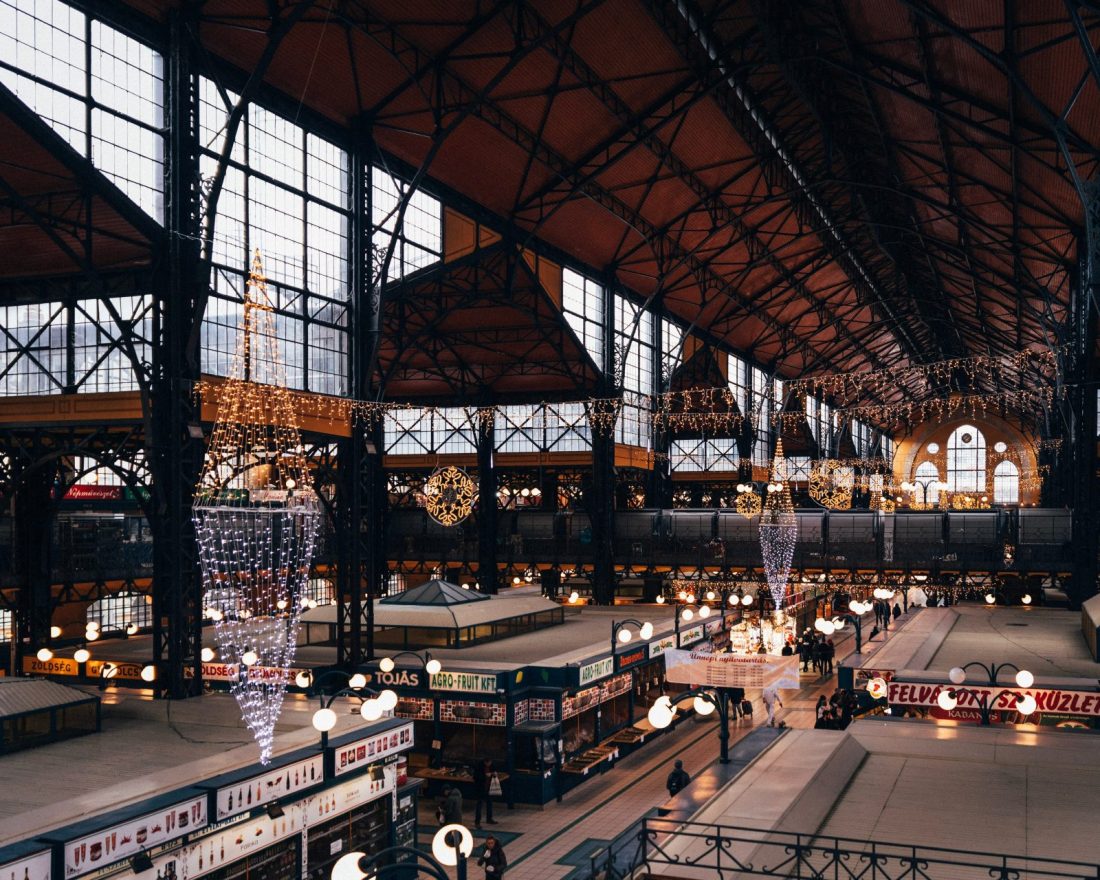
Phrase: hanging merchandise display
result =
(449, 495)
(778, 530)
(256, 518)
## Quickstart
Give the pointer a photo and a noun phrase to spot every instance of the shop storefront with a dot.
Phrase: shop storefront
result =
(288, 821)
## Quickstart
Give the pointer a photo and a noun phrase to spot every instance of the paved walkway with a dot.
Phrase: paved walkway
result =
(555, 843)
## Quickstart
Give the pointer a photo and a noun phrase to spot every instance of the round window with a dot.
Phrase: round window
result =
(967, 438)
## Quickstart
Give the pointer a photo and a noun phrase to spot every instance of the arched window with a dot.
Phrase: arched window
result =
(1006, 483)
(925, 475)
(966, 460)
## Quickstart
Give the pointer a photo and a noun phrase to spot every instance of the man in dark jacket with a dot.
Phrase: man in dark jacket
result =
(677, 779)
(483, 777)
(451, 805)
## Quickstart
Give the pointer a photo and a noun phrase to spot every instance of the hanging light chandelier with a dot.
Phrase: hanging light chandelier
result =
(778, 529)
(256, 518)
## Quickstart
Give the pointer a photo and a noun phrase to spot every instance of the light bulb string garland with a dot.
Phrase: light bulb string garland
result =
(716, 409)
(257, 519)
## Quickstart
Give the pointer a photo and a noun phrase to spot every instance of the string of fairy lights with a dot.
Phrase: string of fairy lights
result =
(778, 529)
(716, 410)
(1003, 369)
(256, 519)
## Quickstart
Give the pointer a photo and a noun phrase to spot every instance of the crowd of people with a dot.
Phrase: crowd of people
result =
(816, 651)
(836, 712)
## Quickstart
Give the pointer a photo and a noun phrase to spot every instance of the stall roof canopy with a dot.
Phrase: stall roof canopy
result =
(435, 592)
(18, 696)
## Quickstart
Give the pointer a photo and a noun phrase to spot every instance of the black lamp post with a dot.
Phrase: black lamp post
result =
(324, 719)
(717, 697)
(645, 631)
(451, 846)
(948, 699)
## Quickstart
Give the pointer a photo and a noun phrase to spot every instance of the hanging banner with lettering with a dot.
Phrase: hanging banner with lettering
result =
(246, 794)
(595, 671)
(731, 670)
(232, 671)
(923, 694)
(355, 755)
(471, 682)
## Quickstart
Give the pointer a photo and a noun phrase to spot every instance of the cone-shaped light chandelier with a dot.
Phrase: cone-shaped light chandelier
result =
(256, 519)
(778, 529)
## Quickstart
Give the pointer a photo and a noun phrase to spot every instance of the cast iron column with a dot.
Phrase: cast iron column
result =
(487, 576)
(33, 521)
(1083, 397)
(176, 456)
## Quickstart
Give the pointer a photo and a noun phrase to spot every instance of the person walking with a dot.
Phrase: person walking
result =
(483, 794)
(677, 779)
(771, 700)
(815, 654)
(493, 858)
(737, 697)
(897, 611)
(450, 806)
(804, 652)
(828, 652)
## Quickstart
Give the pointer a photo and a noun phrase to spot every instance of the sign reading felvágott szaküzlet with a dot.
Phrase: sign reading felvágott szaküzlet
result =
(731, 670)
(473, 682)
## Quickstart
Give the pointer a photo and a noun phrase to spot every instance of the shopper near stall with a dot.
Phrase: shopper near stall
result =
(805, 651)
(493, 858)
(450, 806)
(677, 779)
(736, 701)
(484, 777)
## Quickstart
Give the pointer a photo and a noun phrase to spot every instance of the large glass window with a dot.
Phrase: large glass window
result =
(100, 89)
(582, 304)
(926, 478)
(966, 460)
(738, 378)
(1006, 483)
(672, 349)
(706, 454)
(285, 194)
(32, 348)
(419, 241)
(762, 413)
(101, 361)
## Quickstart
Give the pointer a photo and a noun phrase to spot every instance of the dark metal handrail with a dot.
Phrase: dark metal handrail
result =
(657, 847)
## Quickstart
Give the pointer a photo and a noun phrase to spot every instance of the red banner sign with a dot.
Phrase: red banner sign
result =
(904, 693)
(80, 492)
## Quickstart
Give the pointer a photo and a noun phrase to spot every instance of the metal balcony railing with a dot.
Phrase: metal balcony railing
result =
(672, 849)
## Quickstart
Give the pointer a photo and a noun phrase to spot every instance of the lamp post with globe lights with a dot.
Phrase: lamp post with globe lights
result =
(948, 698)
(430, 666)
(374, 702)
(621, 634)
(704, 701)
(688, 613)
(451, 847)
